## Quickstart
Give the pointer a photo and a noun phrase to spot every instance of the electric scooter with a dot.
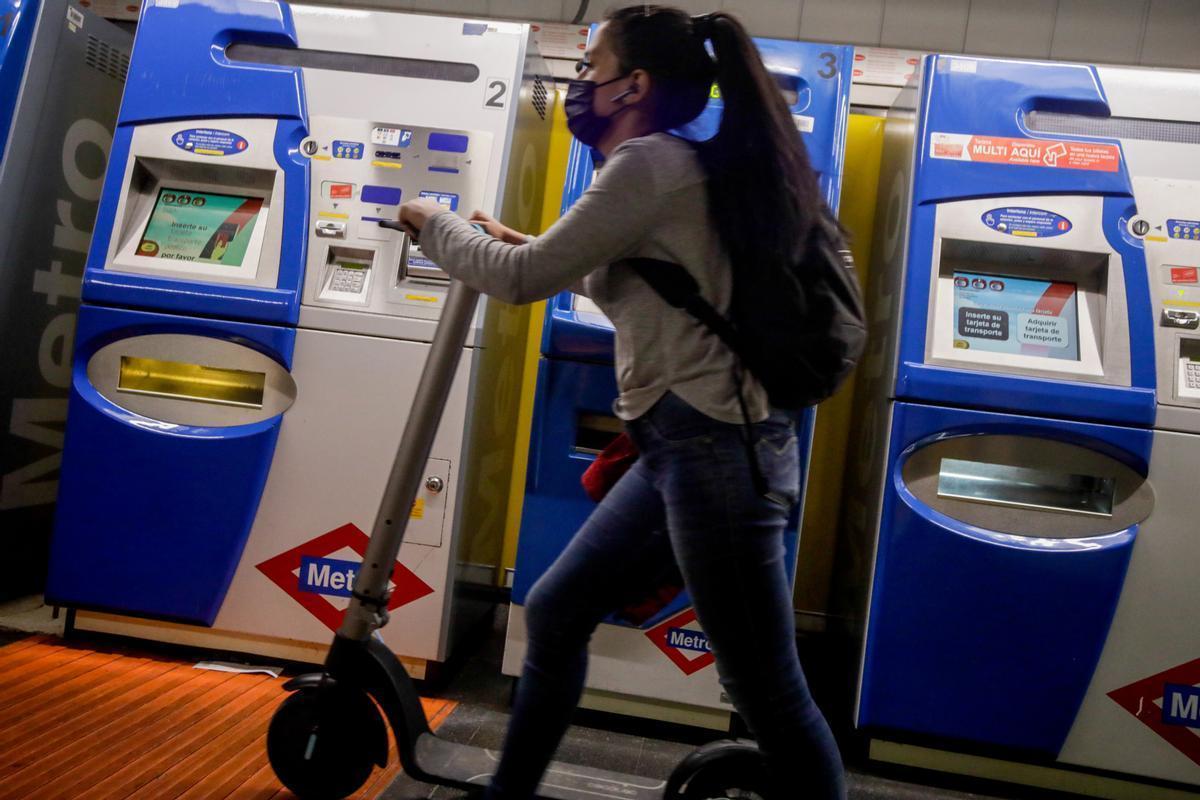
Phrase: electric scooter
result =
(328, 735)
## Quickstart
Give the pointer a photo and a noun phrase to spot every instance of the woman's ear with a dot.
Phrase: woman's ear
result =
(640, 84)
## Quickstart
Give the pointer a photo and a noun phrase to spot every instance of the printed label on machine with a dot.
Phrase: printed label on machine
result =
(313, 572)
(1060, 154)
(447, 199)
(1023, 316)
(206, 227)
(1031, 222)
(1169, 704)
(209, 141)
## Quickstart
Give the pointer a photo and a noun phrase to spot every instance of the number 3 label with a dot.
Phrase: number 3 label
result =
(495, 93)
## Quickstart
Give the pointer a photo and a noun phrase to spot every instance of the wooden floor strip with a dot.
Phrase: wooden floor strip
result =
(115, 724)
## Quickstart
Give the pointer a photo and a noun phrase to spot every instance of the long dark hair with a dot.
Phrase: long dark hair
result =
(763, 193)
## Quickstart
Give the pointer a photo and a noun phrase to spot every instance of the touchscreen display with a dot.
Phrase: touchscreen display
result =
(205, 227)
(1022, 316)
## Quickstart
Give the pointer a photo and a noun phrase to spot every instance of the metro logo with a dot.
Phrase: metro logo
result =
(1168, 704)
(309, 576)
(687, 647)
(327, 576)
(684, 639)
(1181, 705)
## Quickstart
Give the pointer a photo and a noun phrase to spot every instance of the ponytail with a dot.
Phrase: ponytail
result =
(763, 195)
(763, 192)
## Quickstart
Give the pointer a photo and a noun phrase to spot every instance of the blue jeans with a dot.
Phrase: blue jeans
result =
(689, 499)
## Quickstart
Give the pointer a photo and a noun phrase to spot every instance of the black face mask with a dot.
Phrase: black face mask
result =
(582, 120)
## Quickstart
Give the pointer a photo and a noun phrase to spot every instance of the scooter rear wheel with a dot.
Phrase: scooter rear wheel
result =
(726, 770)
(324, 742)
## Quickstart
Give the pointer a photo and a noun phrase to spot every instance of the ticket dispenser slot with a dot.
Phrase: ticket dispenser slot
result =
(347, 274)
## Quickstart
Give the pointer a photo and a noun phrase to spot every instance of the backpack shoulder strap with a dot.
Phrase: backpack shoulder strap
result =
(679, 289)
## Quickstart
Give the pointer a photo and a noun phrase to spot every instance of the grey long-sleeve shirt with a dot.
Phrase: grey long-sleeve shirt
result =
(649, 200)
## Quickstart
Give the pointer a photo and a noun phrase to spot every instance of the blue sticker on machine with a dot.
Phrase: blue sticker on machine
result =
(1181, 705)
(1031, 222)
(381, 195)
(448, 199)
(209, 141)
(1184, 229)
(327, 576)
(448, 142)
(342, 149)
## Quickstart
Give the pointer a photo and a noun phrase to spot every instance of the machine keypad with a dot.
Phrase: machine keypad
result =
(348, 280)
(1193, 375)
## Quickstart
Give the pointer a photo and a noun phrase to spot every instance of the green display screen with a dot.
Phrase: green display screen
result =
(206, 227)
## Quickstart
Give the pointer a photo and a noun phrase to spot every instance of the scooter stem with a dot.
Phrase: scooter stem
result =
(369, 600)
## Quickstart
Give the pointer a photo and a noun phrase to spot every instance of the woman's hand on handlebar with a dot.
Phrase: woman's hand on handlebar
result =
(415, 213)
(498, 230)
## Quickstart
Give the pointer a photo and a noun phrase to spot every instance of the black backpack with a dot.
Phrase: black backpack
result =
(798, 328)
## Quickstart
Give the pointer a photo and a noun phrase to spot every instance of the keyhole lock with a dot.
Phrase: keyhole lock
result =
(434, 484)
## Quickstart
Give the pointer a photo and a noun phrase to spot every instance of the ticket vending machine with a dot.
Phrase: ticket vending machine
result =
(61, 72)
(1033, 422)
(251, 338)
(665, 657)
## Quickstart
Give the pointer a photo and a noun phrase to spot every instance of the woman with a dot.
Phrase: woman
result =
(746, 196)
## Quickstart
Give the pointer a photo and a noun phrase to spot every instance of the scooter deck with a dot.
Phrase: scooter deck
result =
(475, 765)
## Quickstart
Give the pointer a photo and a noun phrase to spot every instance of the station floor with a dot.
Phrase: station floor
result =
(118, 719)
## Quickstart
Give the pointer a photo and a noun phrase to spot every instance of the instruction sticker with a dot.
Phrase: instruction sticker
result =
(447, 199)
(1059, 154)
(1030, 222)
(209, 141)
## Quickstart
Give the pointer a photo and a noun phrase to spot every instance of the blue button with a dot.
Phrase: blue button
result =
(381, 195)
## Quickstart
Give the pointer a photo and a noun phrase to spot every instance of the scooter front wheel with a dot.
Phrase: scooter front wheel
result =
(324, 741)
(725, 770)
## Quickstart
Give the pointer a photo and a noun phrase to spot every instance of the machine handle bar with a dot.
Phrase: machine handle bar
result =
(367, 606)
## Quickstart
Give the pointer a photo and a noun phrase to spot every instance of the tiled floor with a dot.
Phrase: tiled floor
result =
(611, 742)
(67, 755)
(111, 722)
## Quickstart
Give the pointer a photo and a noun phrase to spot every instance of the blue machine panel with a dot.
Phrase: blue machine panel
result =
(448, 142)
(982, 636)
(555, 503)
(194, 79)
(20, 17)
(381, 195)
(126, 479)
(992, 102)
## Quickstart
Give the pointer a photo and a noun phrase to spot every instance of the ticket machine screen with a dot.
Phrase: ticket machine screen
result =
(1021, 316)
(206, 227)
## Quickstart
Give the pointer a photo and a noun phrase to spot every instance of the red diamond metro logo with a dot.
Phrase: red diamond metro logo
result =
(1142, 700)
(681, 639)
(283, 569)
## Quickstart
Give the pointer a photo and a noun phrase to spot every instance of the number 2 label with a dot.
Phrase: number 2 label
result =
(495, 93)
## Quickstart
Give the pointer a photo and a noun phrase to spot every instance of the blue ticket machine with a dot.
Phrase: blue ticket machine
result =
(251, 337)
(1032, 404)
(576, 387)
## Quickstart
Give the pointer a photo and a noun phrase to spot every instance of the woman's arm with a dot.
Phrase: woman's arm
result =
(609, 220)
